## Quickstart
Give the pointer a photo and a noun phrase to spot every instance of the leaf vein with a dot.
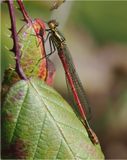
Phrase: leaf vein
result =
(39, 137)
(55, 121)
(71, 127)
(59, 149)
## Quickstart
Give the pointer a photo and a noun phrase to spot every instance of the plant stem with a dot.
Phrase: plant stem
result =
(16, 47)
(27, 19)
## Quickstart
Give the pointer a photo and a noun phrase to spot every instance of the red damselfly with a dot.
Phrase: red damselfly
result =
(57, 41)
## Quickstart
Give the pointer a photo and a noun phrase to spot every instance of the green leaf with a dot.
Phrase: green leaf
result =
(39, 124)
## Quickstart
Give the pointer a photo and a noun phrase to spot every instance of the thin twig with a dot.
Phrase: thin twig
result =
(16, 47)
(27, 19)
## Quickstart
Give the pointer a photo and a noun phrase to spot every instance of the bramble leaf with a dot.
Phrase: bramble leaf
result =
(33, 55)
(39, 124)
(32, 50)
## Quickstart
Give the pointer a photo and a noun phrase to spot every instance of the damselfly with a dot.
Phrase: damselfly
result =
(57, 41)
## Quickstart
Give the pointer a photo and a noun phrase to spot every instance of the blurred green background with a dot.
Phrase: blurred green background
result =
(96, 33)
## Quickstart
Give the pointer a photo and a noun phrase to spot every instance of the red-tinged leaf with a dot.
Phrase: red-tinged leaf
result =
(33, 59)
(32, 50)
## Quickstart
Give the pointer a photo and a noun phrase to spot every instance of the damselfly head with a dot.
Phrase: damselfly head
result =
(52, 24)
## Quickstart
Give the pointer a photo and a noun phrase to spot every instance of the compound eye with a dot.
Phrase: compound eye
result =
(55, 23)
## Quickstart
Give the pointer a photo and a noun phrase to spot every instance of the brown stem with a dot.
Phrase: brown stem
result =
(16, 47)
